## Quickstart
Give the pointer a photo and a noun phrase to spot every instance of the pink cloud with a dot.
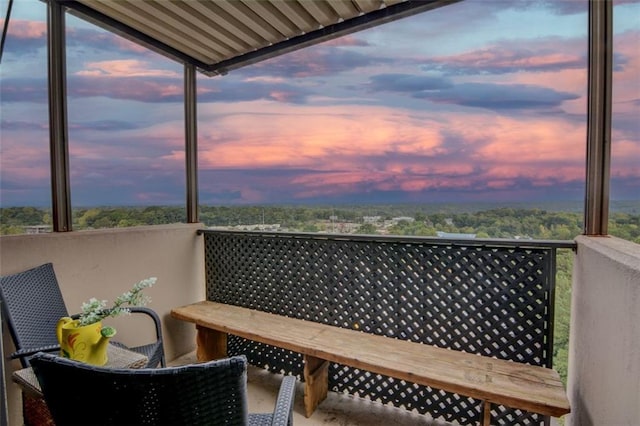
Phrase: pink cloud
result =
(153, 197)
(282, 96)
(550, 54)
(254, 139)
(126, 45)
(157, 147)
(571, 80)
(497, 57)
(348, 40)
(626, 83)
(266, 79)
(124, 68)
(532, 141)
(347, 148)
(541, 176)
(23, 161)
(27, 29)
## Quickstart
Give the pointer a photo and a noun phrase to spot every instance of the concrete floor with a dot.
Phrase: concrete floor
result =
(337, 409)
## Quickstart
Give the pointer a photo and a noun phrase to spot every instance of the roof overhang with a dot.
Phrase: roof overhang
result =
(217, 36)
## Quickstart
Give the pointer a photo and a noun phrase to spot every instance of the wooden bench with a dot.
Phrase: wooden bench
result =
(494, 381)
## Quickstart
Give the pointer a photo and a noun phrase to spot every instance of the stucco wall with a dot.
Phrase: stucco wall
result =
(604, 357)
(104, 264)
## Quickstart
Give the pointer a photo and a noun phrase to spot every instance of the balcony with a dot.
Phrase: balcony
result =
(603, 371)
(605, 340)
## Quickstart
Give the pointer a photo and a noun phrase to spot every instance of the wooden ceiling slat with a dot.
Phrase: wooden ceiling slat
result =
(250, 19)
(212, 12)
(185, 31)
(271, 15)
(297, 14)
(345, 9)
(130, 14)
(322, 13)
(207, 29)
(367, 6)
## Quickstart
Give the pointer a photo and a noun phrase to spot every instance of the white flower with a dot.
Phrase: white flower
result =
(96, 310)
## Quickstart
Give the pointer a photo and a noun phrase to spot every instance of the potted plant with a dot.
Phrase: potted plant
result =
(85, 338)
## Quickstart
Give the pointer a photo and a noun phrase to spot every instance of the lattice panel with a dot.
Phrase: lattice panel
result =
(492, 301)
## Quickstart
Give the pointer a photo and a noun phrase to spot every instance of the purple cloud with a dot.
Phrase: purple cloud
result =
(550, 54)
(275, 187)
(407, 83)
(482, 95)
(101, 40)
(24, 90)
(23, 125)
(25, 37)
(323, 60)
(232, 90)
(153, 89)
(560, 7)
(498, 60)
(105, 125)
(499, 96)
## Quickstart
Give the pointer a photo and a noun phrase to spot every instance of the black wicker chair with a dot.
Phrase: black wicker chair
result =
(211, 393)
(32, 304)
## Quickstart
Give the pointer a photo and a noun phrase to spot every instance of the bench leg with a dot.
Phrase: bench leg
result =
(486, 413)
(316, 382)
(211, 344)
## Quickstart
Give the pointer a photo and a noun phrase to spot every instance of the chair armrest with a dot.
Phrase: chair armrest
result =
(151, 313)
(32, 351)
(283, 412)
(155, 352)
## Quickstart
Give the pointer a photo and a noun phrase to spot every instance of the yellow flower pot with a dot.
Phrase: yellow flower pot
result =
(82, 343)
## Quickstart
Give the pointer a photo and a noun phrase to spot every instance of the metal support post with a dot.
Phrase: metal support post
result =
(596, 210)
(58, 131)
(191, 141)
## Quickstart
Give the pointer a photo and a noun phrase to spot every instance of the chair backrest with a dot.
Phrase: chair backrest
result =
(32, 305)
(211, 393)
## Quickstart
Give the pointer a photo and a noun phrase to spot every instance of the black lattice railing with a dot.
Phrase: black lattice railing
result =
(493, 298)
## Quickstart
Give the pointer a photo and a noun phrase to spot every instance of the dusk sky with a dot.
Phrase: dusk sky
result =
(482, 100)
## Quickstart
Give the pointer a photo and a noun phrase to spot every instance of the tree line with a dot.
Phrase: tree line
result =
(491, 223)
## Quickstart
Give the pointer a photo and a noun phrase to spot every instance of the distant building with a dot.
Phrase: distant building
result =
(371, 219)
(37, 229)
(340, 227)
(455, 235)
(396, 220)
(259, 227)
(403, 219)
(253, 227)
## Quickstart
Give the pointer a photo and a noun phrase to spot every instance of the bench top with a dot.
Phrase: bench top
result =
(517, 385)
